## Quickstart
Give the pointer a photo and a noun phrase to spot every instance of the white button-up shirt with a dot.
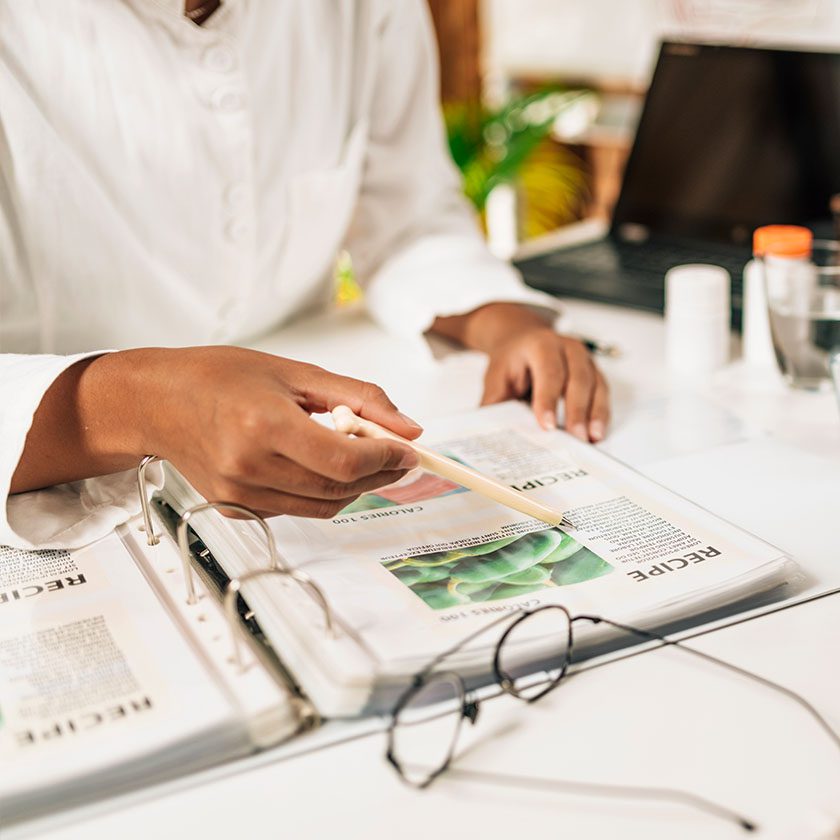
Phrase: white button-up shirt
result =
(168, 184)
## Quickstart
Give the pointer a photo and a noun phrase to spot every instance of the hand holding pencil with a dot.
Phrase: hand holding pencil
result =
(349, 423)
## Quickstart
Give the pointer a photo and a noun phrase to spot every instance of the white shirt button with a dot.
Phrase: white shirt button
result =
(227, 99)
(236, 230)
(219, 58)
(235, 196)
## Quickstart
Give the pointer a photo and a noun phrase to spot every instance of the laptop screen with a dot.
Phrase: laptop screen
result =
(732, 138)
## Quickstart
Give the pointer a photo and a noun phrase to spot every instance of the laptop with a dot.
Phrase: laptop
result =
(730, 138)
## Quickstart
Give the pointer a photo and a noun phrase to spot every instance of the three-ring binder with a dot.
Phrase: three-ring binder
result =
(235, 586)
(275, 561)
(142, 491)
(263, 694)
(226, 612)
(277, 566)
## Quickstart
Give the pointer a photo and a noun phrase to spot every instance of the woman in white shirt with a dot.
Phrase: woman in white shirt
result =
(169, 184)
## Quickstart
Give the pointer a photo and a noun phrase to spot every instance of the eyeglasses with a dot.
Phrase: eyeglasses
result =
(427, 719)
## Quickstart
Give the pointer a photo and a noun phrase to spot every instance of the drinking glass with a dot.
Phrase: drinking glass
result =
(803, 298)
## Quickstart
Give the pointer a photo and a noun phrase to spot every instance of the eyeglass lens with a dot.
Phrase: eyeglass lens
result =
(534, 652)
(426, 727)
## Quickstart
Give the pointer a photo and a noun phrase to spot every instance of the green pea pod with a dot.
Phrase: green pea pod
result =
(408, 575)
(439, 558)
(582, 566)
(439, 596)
(527, 551)
(568, 546)
(430, 574)
(486, 548)
(413, 575)
(476, 592)
(536, 574)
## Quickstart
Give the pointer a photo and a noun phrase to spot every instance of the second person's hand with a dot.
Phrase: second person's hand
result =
(527, 359)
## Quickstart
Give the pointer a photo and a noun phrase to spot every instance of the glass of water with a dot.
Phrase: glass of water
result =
(803, 298)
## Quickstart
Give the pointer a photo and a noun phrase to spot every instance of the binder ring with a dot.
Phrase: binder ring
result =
(235, 586)
(151, 537)
(183, 546)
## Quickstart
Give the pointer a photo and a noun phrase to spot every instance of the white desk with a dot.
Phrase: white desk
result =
(657, 719)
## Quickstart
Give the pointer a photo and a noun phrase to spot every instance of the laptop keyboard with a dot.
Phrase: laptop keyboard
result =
(631, 275)
(652, 259)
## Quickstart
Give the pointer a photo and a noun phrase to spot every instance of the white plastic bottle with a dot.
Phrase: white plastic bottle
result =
(697, 318)
(776, 247)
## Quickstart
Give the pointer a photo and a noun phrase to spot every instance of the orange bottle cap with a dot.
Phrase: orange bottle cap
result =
(783, 241)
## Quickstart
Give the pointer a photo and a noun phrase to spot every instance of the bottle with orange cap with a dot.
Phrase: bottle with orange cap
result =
(778, 250)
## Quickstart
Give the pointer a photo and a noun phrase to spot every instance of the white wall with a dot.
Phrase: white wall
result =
(616, 40)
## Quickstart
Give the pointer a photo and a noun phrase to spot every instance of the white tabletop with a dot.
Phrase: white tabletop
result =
(742, 445)
(655, 719)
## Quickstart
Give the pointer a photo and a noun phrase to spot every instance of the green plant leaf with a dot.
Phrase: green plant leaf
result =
(492, 147)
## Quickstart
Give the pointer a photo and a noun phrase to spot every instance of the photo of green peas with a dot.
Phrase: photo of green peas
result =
(506, 568)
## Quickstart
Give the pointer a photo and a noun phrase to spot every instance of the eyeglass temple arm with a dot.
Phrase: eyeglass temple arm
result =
(596, 789)
(781, 689)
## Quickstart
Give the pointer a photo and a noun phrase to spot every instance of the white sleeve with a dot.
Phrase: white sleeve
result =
(415, 243)
(67, 515)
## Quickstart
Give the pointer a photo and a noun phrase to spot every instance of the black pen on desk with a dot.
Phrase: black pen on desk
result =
(599, 348)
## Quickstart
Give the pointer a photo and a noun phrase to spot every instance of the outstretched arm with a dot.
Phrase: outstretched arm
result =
(235, 422)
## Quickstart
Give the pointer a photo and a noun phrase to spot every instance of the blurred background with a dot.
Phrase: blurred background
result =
(542, 97)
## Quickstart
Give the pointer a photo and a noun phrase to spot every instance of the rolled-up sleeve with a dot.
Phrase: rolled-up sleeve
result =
(67, 515)
(414, 240)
